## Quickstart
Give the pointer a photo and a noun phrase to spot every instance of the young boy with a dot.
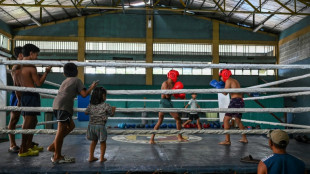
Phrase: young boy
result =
(165, 102)
(15, 99)
(236, 101)
(31, 79)
(63, 110)
(193, 115)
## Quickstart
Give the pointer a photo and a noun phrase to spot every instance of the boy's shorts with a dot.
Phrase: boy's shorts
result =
(97, 133)
(235, 103)
(165, 103)
(62, 115)
(193, 116)
(30, 99)
(13, 99)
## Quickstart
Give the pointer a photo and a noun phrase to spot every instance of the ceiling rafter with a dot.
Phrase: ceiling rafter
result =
(12, 16)
(220, 7)
(284, 6)
(64, 9)
(255, 9)
(261, 5)
(288, 18)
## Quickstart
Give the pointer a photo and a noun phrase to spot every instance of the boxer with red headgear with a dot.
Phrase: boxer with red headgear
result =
(165, 102)
(173, 75)
(236, 101)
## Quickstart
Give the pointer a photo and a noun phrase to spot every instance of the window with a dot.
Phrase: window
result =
(246, 50)
(182, 49)
(114, 70)
(4, 42)
(115, 47)
(51, 46)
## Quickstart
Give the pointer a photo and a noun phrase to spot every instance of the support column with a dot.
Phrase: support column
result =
(149, 48)
(215, 49)
(81, 46)
(277, 54)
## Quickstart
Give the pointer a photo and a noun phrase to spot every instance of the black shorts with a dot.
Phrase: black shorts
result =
(193, 116)
(30, 99)
(235, 103)
(62, 115)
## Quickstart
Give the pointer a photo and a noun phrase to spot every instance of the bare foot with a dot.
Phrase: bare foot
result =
(51, 148)
(245, 141)
(152, 142)
(92, 159)
(182, 140)
(225, 143)
(103, 160)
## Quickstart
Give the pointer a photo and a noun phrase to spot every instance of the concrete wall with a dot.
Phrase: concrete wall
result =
(296, 51)
(69, 28)
(5, 27)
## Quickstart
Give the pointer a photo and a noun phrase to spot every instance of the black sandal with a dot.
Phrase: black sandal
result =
(249, 159)
(14, 149)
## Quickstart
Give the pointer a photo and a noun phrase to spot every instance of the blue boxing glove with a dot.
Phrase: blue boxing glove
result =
(221, 85)
(217, 85)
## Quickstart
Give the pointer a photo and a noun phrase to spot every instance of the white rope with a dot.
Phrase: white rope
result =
(169, 110)
(277, 124)
(141, 131)
(164, 65)
(281, 81)
(47, 96)
(278, 95)
(51, 83)
(156, 100)
(27, 89)
(213, 119)
(141, 92)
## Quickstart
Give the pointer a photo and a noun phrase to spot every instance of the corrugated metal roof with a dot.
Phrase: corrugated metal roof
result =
(20, 16)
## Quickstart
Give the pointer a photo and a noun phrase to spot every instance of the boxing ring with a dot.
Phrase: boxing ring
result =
(128, 150)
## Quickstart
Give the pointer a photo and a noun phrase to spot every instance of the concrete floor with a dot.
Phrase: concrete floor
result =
(200, 155)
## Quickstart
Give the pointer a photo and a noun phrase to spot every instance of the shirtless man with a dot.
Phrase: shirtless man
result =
(30, 78)
(165, 102)
(15, 99)
(236, 101)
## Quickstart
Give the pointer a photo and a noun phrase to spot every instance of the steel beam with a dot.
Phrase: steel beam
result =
(255, 9)
(284, 6)
(145, 8)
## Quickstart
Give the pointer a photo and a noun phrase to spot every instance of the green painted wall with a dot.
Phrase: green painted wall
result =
(228, 32)
(181, 27)
(116, 25)
(61, 29)
(296, 27)
(5, 27)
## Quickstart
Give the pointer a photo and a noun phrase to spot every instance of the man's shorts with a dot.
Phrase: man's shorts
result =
(13, 99)
(30, 99)
(97, 133)
(235, 103)
(165, 103)
(193, 116)
(62, 115)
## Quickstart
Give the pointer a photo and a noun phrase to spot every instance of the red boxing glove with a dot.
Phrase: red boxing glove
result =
(182, 96)
(176, 96)
(178, 85)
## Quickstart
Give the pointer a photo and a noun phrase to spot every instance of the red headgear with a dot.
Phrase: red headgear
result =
(173, 75)
(225, 73)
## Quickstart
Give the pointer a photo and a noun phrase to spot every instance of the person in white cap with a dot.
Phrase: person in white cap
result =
(280, 161)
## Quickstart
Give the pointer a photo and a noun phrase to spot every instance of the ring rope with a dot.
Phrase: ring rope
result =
(170, 110)
(139, 132)
(278, 95)
(156, 118)
(152, 65)
(141, 92)
(45, 82)
(281, 81)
